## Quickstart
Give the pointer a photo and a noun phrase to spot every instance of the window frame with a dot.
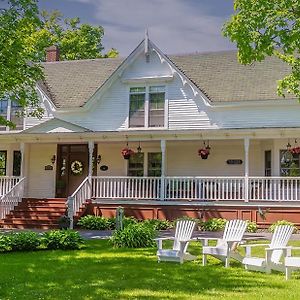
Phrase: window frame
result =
(11, 109)
(147, 106)
(5, 163)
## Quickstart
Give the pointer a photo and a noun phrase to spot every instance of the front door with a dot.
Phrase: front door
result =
(72, 168)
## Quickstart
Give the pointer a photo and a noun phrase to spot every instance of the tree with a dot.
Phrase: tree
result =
(18, 76)
(75, 40)
(24, 36)
(268, 28)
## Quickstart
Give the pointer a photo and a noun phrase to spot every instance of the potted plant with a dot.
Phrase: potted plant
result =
(64, 222)
(127, 152)
(204, 152)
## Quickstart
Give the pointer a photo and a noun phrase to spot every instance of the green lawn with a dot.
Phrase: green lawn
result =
(101, 272)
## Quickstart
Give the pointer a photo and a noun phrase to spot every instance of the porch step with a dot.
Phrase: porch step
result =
(35, 213)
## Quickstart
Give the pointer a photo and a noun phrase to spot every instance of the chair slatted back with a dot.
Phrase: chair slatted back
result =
(280, 238)
(183, 232)
(234, 230)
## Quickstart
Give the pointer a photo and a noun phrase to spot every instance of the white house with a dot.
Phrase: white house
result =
(167, 110)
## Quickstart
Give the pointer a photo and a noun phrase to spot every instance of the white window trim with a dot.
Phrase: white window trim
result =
(146, 107)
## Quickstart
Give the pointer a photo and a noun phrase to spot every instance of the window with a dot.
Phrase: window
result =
(268, 163)
(147, 106)
(136, 165)
(289, 164)
(154, 164)
(11, 111)
(3, 112)
(17, 163)
(137, 161)
(3, 158)
(137, 107)
(156, 106)
(16, 115)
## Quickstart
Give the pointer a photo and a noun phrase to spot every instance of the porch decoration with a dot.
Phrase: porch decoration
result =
(205, 151)
(127, 152)
(77, 167)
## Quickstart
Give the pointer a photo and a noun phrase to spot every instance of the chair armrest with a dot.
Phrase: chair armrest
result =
(279, 248)
(254, 245)
(160, 240)
(294, 248)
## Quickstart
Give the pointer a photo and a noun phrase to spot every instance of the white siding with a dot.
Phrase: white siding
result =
(41, 183)
(183, 159)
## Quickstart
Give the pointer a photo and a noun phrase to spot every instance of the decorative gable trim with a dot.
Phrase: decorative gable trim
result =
(150, 46)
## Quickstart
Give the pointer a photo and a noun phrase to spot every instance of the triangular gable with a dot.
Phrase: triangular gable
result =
(55, 126)
(145, 47)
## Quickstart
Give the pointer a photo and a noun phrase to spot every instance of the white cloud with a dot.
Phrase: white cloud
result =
(176, 26)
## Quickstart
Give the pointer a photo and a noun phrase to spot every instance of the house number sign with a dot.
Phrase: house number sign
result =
(234, 161)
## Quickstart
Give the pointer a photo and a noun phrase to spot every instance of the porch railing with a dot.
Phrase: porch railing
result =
(7, 183)
(246, 189)
(126, 187)
(204, 188)
(274, 188)
(12, 197)
(82, 193)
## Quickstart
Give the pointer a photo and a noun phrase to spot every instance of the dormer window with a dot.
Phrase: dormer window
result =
(147, 106)
(137, 107)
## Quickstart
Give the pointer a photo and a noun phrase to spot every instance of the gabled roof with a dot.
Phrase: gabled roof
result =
(72, 83)
(223, 79)
(218, 75)
(56, 125)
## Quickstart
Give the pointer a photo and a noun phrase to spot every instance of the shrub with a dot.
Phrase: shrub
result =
(214, 224)
(129, 221)
(96, 223)
(136, 235)
(159, 224)
(62, 239)
(281, 222)
(24, 241)
(5, 244)
(251, 227)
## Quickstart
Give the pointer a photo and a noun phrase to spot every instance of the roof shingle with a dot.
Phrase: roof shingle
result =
(219, 75)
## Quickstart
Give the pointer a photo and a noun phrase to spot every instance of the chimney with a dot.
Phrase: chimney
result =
(52, 54)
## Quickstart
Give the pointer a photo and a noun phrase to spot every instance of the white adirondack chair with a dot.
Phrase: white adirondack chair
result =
(291, 263)
(274, 251)
(183, 234)
(226, 247)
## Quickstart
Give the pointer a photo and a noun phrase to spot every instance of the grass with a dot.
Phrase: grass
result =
(101, 272)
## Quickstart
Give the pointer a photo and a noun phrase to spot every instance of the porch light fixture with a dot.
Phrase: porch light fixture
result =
(98, 159)
(139, 148)
(53, 159)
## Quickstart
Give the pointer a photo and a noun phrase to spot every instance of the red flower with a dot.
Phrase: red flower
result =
(127, 152)
(295, 150)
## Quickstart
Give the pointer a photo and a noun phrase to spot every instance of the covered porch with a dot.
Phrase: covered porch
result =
(243, 167)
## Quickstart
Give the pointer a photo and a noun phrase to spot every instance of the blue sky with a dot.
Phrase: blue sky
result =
(175, 26)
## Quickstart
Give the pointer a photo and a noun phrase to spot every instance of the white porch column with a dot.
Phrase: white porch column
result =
(91, 152)
(163, 169)
(22, 150)
(246, 171)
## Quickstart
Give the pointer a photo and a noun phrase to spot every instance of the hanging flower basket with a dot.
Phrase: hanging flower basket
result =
(295, 150)
(127, 152)
(204, 152)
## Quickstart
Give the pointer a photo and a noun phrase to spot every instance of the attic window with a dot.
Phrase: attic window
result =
(147, 106)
